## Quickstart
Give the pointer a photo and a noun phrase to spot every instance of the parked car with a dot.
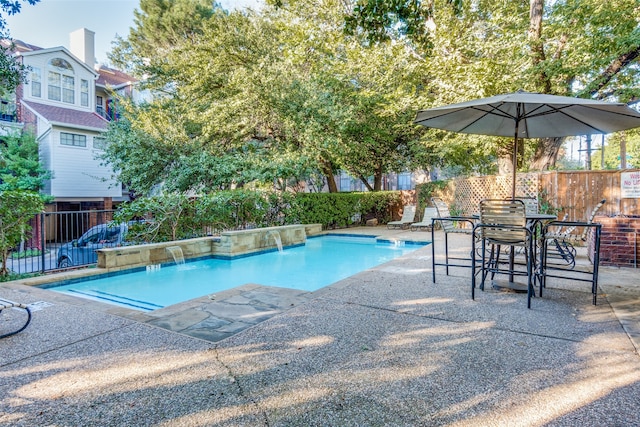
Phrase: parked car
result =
(82, 251)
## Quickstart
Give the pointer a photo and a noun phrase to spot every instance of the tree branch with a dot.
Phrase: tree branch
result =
(617, 65)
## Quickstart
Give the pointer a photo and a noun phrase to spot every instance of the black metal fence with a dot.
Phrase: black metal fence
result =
(60, 240)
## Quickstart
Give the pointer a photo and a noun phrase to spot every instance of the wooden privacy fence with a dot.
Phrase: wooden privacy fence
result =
(572, 192)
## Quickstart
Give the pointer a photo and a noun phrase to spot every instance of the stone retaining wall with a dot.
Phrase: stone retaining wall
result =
(228, 244)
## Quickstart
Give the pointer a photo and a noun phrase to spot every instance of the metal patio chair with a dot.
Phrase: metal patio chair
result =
(503, 223)
(549, 266)
(450, 224)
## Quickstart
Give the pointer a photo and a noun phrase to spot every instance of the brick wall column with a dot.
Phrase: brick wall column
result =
(620, 241)
(107, 203)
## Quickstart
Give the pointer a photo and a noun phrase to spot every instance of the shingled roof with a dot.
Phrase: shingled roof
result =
(67, 116)
(19, 46)
(110, 77)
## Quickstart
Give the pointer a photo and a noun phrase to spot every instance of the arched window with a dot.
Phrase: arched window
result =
(61, 81)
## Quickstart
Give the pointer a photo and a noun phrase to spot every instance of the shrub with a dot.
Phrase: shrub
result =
(177, 216)
(16, 209)
(336, 210)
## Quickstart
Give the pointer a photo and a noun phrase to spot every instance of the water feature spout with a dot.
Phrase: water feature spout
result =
(276, 238)
(176, 253)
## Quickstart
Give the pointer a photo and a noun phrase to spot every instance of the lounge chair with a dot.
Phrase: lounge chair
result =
(562, 240)
(426, 222)
(408, 217)
(5, 305)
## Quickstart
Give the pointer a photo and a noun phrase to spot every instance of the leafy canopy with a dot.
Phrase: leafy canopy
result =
(20, 167)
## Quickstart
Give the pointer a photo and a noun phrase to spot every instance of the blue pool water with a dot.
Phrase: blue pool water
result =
(320, 262)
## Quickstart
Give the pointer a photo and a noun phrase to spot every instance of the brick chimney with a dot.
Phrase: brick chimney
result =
(82, 45)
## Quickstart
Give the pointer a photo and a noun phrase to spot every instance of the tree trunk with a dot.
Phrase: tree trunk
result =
(365, 181)
(536, 9)
(327, 171)
(377, 180)
(505, 164)
(546, 153)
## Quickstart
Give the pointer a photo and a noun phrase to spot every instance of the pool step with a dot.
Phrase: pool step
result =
(116, 299)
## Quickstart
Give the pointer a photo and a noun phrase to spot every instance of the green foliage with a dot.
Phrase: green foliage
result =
(164, 218)
(612, 151)
(17, 276)
(20, 167)
(12, 72)
(26, 254)
(424, 192)
(336, 210)
(159, 26)
(261, 98)
(16, 209)
(240, 209)
(545, 206)
(582, 48)
(275, 96)
(176, 216)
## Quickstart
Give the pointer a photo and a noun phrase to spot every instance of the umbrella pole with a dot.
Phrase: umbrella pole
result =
(515, 162)
(513, 193)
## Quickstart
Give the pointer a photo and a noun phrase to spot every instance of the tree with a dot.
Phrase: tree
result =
(249, 90)
(20, 167)
(591, 50)
(16, 209)
(159, 26)
(360, 98)
(582, 48)
(208, 128)
(612, 152)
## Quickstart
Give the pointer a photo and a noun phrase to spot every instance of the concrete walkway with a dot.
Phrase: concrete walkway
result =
(384, 347)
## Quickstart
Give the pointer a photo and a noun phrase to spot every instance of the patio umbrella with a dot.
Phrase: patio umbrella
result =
(530, 115)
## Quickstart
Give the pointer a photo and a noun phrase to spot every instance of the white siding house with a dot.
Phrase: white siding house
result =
(66, 102)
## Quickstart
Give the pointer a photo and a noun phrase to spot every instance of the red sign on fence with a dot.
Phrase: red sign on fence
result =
(630, 185)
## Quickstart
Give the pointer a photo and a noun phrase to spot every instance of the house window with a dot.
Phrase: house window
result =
(73, 139)
(99, 143)
(84, 93)
(54, 90)
(345, 182)
(404, 181)
(36, 82)
(61, 81)
(67, 90)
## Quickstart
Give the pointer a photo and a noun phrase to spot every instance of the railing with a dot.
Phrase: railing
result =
(8, 111)
(108, 115)
(64, 240)
(53, 233)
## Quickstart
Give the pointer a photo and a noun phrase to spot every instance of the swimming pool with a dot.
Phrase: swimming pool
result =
(320, 262)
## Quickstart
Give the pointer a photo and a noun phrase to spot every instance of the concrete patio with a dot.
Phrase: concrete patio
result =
(383, 347)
